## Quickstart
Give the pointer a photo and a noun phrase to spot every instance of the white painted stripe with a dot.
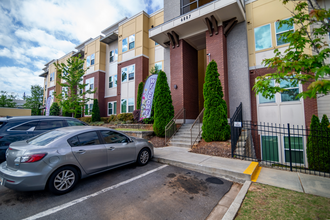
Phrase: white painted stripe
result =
(66, 205)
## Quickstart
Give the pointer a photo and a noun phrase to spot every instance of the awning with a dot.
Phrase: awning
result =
(113, 36)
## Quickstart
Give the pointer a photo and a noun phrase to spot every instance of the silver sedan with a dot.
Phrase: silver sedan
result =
(59, 158)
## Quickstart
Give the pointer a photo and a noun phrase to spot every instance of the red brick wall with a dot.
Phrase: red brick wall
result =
(99, 85)
(216, 45)
(310, 107)
(184, 74)
(141, 73)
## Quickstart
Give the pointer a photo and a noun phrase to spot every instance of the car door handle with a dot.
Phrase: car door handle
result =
(81, 151)
(111, 148)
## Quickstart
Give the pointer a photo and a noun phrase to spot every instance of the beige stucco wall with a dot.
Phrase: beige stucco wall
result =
(155, 20)
(99, 49)
(14, 112)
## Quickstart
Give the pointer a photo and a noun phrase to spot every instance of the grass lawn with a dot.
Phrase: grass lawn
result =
(269, 202)
(130, 129)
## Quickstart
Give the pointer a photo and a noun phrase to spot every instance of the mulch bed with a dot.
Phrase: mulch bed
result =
(158, 141)
(214, 148)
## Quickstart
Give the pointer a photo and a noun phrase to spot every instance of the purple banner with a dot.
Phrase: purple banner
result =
(49, 100)
(148, 96)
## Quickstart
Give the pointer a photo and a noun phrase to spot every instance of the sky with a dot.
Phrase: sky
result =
(33, 32)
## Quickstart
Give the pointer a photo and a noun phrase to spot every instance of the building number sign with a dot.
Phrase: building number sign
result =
(185, 17)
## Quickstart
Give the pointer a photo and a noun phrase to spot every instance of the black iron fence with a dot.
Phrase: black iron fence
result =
(236, 126)
(293, 148)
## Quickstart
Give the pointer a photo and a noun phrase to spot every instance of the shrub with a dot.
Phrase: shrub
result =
(112, 118)
(86, 119)
(105, 119)
(163, 107)
(136, 115)
(215, 124)
(139, 95)
(125, 117)
(96, 111)
(66, 114)
(54, 109)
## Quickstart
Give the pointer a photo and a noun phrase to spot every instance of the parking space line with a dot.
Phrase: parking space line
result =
(66, 205)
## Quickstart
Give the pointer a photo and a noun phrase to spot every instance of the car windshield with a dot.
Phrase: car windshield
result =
(46, 138)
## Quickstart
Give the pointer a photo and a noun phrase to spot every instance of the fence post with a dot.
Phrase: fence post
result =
(289, 147)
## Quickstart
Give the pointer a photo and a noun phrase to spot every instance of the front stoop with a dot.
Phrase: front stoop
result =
(184, 136)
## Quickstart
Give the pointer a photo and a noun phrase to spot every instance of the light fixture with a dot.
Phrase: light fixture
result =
(175, 86)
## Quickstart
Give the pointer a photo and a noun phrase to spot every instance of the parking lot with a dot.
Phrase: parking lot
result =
(154, 191)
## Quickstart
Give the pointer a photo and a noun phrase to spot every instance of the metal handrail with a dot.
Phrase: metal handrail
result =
(198, 119)
(172, 124)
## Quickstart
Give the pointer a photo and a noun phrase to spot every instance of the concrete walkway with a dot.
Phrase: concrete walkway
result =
(232, 169)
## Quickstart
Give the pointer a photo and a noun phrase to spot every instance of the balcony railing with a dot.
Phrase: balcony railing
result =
(189, 5)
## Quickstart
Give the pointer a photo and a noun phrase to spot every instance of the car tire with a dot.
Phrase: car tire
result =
(63, 180)
(143, 157)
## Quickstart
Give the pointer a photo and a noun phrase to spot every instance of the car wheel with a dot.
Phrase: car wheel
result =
(63, 180)
(143, 157)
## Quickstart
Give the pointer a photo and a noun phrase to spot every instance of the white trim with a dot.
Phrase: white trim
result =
(257, 67)
(110, 96)
(86, 74)
(72, 52)
(106, 31)
(112, 108)
(133, 58)
(249, 1)
(134, 16)
(93, 39)
(83, 43)
(156, 12)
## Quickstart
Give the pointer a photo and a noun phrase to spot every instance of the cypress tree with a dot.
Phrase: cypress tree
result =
(139, 95)
(215, 124)
(162, 104)
(96, 111)
(313, 143)
(54, 109)
(324, 146)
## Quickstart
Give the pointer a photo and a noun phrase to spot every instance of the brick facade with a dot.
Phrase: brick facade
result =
(184, 74)
(216, 46)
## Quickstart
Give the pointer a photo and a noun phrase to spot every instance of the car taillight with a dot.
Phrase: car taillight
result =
(1, 137)
(32, 158)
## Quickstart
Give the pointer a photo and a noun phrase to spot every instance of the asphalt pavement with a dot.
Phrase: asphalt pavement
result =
(154, 191)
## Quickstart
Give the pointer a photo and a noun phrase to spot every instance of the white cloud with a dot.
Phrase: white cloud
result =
(16, 53)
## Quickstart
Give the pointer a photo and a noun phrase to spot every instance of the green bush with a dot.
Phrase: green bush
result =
(139, 95)
(86, 119)
(162, 103)
(54, 109)
(96, 111)
(112, 118)
(318, 144)
(215, 124)
(123, 117)
(105, 119)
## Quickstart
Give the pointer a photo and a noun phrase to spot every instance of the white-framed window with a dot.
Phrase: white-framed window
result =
(131, 72)
(291, 91)
(263, 37)
(90, 60)
(113, 81)
(90, 109)
(131, 40)
(131, 105)
(52, 77)
(90, 84)
(269, 149)
(65, 71)
(280, 31)
(263, 100)
(159, 65)
(123, 106)
(128, 43)
(64, 91)
(112, 108)
(297, 149)
(124, 74)
(113, 55)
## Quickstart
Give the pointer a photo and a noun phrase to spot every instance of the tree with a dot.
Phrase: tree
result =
(96, 111)
(139, 95)
(215, 124)
(7, 100)
(34, 101)
(73, 97)
(54, 109)
(162, 104)
(295, 64)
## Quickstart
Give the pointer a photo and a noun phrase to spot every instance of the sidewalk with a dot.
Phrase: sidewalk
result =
(232, 169)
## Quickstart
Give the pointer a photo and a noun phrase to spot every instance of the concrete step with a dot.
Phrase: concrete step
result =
(179, 144)
(183, 139)
(188, 141)
(184, 136)
(194, 133)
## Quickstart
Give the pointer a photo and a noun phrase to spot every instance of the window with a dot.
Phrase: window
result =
(113, 81)
(25, 127)
(159, 65)
(50, 124)
(124, 45)
(65, 71)
(123, 106)
(297, 149)
(64, 91)
(131, 105)
(269, 148)
(88, 138)
(131, 41)
(90, 84)
(112, 108)
(263, 37)
(73, 141)
(263, 100)
(124, 74)
(90, 60)
(90, 109)
(110, 81)
(74, 123)
(291, 93)
(116, 54)
(46, 138)
(156, 43)
(113, 55)
(280, 31)
(131, 71)
(52, 76)
(86, 109)
(111, 137)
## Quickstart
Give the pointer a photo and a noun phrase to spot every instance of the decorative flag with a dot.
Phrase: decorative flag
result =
(148, 96)
(49, 100)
